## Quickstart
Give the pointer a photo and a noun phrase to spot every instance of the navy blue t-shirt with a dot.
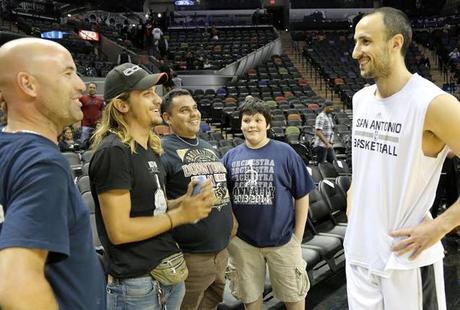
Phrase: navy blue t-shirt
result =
(44, 210)
(263, 184)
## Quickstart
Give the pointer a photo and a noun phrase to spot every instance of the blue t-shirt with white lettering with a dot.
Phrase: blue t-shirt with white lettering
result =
(263, 184)
(44, 210)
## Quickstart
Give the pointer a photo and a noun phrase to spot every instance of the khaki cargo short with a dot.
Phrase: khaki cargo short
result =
(286, 267)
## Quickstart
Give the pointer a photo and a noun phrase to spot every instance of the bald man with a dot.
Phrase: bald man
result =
(47, 259)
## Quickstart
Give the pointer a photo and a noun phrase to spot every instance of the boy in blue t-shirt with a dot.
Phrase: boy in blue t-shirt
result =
(269, 185)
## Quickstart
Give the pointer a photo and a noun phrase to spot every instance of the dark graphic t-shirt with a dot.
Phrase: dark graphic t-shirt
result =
(113, 166)
(184, 162)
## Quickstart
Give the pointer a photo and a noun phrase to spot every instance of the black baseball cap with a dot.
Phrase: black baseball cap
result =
(127, 77)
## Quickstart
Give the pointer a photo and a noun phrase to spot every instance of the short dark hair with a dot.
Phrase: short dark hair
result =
(396, 22)
(166, 103)
(252, 106)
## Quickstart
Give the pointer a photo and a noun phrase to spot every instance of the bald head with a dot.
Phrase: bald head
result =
(39, 80)
(26, 55)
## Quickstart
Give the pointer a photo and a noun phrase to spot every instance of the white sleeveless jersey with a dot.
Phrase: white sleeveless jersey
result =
(394, 183)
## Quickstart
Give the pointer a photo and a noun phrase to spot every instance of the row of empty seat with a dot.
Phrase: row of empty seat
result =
(229, 46)
(331, 58)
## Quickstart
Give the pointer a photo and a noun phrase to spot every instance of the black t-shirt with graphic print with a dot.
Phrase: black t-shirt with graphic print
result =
(183, 162)
(112, 167)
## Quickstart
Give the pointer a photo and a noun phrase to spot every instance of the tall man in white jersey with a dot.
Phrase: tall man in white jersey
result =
(403, 126)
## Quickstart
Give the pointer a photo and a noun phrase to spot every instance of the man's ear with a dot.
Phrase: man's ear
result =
(165, 116)
(121, 106)
(27, 83)
(397, 42)
(268, 126)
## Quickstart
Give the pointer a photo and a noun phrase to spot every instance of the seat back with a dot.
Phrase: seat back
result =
(85, 169)
(315, 174)
(96, 242)
(343, 182)
(224, 149)
(319, 212)
(341, 167)
(86, 156)
(295, 123)
(333, 196)
(89, 201)
(294, 117)
(83, 184)
(72, 158)
(327, 170)
(292, 130)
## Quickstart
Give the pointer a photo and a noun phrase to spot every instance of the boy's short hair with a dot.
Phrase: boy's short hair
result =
(252, 106)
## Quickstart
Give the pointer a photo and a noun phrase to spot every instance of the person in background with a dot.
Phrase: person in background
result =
(163, 47)
(66, 142)
(92, 106)
(165, 68)
(324, 134)
(454, 55)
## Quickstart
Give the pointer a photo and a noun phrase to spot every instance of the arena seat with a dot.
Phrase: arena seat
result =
(330, 248)
(86, 156)
(321, 217)
(85, 169)
(344, 183)
(335, 199)
(96, 241)
(315, 173)
(74, 161)
(341, 167)
(83, 184)
(327, 170)
(89, 201)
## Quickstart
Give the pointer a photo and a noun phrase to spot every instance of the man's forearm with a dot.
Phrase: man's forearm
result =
(321, 136)
(424, 235)
(449, 219)
(349, 199)
(29, 296)
(23, 284)
(301, 214)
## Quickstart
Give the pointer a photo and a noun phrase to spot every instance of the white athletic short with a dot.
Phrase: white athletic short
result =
(415, 289)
